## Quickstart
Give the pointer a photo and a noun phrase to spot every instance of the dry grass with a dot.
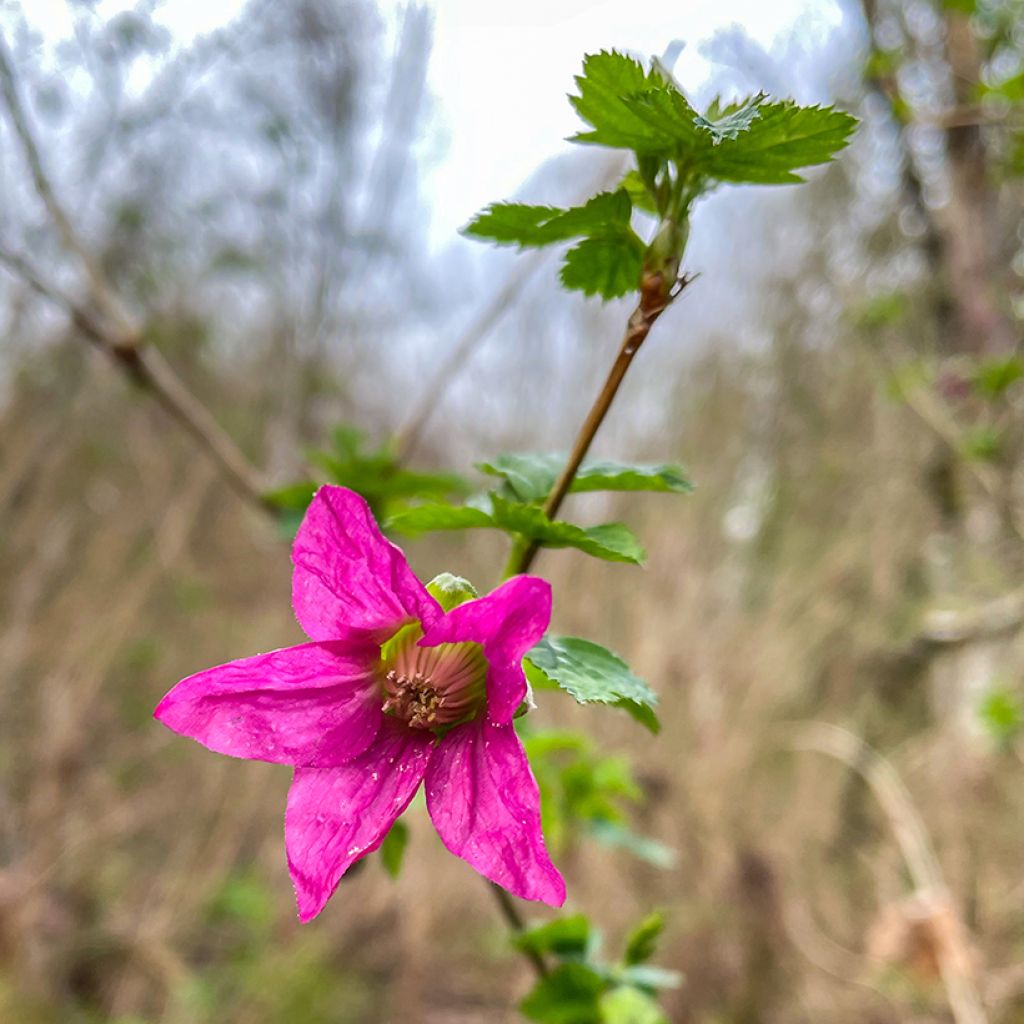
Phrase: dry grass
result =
(142, 878)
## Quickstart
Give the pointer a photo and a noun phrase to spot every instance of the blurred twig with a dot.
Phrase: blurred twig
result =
(113, 330)
(409, 433)
(912, 837)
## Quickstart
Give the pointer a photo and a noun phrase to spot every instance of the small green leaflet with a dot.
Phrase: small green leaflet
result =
(609, 267)
(642, 942)
(619, 837)
(625, 1005)
(607, 262)
(782, 139)
(531, 475)
(568, 995)
(729, 122)
(534, 226)
(611, 88)
(612, 542)
(591, 674)
(565, 937)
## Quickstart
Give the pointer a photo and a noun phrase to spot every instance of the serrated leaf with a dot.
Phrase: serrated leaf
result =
(609, 80)
(568, 995)
(514, 224)
(732, 120)
(613, 542)
(536, 226)
(392, 850)
(609, 267)
(783, 139)
(564, 937)
(531, 475)
(642, 941)
(627, 1005)
(589, 673)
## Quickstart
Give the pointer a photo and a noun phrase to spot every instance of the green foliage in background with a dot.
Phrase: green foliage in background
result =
(584, 989)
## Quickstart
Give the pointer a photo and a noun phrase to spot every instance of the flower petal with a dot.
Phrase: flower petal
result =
(337, 815)
(315, 704)
(507, 622)
(349, 580)
(485, 805)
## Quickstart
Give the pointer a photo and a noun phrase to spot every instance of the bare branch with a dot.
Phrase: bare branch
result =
(114, 331)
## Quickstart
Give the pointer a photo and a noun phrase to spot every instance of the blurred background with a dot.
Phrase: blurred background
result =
(252, 208)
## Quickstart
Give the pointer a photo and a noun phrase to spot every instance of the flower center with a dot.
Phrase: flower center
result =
(431, 687)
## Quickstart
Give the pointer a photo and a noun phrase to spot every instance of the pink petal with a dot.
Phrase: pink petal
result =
(349, 580)
(337, 815)
(507, 622)
(316, 704)
(484, 803)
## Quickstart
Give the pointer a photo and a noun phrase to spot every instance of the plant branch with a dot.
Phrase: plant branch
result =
(654, 300)
(517, 926)
(113, 330)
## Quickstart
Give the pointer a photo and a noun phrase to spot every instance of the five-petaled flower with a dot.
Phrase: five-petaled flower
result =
(391, 691)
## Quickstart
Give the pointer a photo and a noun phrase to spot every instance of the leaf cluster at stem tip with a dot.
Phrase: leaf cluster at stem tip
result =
(680, 154)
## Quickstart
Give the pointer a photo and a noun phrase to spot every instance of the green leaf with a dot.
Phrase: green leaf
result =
(642, 941)
(616, 835)
(612, 541)
(514, 224)
(292, 496)
(607, 213)
(438, 516)
(638, 192)
(625, 1005)
(564, 937)
(531, 475)
(1002, 714)
(983, 444)
(784, 138)
(730, 122)
(607, 87)
(568, 995)
(650, 977)
(606, 266)
(993, 377)
(590, 673)
(392, 850)
(450, 591)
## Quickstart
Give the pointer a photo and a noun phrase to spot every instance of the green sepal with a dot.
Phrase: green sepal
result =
(449, 591)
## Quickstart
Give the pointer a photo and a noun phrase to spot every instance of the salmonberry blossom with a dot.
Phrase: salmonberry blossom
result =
(393, 690)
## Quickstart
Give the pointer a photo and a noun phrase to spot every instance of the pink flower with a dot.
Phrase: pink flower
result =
(392, 691)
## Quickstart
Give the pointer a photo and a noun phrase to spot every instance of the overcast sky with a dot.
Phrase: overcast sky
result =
(499, 72)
